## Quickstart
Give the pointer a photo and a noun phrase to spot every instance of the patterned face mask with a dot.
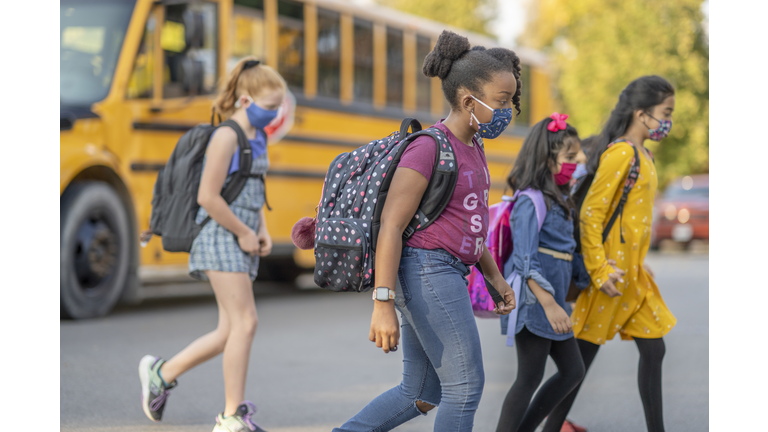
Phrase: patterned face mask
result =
(499, 121)
(662, 131)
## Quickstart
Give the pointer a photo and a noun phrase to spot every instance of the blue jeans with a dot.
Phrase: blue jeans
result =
(442, 360)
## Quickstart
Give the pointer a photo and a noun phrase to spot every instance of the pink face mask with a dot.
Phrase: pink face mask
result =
(566, 171)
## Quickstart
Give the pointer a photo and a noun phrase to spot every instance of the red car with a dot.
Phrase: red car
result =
(681, 213)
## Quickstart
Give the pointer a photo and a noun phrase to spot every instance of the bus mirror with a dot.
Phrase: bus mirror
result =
(193, 29)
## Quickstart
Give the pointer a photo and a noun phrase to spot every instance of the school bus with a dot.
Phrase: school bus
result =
(136, 74)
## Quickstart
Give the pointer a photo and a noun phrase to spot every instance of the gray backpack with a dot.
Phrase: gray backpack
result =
(174, 198)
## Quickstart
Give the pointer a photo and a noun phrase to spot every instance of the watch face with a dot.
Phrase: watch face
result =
(382, 294)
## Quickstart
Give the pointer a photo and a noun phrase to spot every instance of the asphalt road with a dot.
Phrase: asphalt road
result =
(312, 366)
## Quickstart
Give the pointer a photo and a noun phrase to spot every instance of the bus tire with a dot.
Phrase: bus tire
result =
(95, 249)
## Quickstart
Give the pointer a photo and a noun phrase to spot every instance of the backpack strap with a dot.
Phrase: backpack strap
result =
(231, 191)
(441, 185)
(538, 203)
(240, 177)
(629, 183)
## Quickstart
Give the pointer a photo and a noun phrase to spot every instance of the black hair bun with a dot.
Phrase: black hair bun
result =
(449, 48)
(505, 56)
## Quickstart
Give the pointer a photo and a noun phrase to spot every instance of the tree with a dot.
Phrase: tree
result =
(597, 47)
(473, 15)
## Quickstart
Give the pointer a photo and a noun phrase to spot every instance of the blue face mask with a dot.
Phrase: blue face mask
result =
(499, 121)
(581, 171)
(258, 116)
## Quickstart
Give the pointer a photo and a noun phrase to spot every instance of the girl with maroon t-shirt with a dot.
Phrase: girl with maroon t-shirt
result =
(442, 360)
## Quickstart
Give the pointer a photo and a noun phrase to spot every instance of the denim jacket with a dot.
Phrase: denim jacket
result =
(552, 274)
(556, 234)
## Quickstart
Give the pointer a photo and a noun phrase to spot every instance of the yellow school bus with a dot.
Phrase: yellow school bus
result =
(137, 74)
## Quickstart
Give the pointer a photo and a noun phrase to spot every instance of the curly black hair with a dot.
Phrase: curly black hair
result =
(459, 65)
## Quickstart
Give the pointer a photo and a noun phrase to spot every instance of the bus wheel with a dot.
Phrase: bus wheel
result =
(95, 250)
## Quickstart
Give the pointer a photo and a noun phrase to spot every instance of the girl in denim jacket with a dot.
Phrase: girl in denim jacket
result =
(544, 261)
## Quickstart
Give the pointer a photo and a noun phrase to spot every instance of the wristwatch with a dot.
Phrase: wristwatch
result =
(383, 294)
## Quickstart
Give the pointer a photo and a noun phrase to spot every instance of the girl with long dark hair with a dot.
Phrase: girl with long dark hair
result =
(542, 257)
(623, 300)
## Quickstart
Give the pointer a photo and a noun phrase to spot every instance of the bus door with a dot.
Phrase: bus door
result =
(171, 89)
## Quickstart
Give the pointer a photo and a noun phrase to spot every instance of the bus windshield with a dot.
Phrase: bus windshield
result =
(92, 33)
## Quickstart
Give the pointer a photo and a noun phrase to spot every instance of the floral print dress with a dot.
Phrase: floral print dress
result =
(640, 311)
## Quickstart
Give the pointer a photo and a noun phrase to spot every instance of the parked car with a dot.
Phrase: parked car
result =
(681, 213)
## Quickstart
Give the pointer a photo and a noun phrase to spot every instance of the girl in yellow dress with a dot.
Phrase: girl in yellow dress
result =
(623, 298)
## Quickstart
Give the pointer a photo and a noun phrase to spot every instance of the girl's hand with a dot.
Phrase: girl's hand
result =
(649, 271)
(609, 287)
(558, 319)
(507, 294)
(385, 329)
(265, 243)
(249, 243)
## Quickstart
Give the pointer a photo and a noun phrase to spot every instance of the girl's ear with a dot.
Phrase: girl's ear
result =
(639, 114)
(241, 101)
(465, 100)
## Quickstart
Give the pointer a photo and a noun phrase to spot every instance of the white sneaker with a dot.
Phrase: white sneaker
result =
(240, 421)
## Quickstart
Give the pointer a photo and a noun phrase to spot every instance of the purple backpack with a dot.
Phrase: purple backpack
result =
(499, 243)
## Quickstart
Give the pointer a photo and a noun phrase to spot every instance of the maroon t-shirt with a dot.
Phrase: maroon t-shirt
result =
(462, 227)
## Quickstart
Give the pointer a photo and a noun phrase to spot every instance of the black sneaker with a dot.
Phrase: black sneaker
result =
(153, 392)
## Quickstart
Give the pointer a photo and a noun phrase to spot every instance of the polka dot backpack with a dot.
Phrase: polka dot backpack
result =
(354, 192)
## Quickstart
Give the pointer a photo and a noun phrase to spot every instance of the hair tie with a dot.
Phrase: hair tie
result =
(558, 122)
(251, 63)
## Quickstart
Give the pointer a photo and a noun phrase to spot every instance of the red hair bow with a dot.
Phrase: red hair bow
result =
(558, 122)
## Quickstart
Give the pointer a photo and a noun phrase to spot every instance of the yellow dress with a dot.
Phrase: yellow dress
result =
(640, 311)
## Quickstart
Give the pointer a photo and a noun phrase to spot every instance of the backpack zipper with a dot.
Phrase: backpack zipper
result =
(340, 246)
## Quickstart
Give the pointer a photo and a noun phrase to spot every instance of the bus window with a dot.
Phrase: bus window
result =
(394, 67)
(363, 88)
(91, 35)
(525, 96)
(247, 33)
(423, 84)
(189, 71)
(290, 43)
(328, 52)
(142, 78)
(253, 4)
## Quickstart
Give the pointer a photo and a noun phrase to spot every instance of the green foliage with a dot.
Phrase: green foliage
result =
(597, 47)
(473, 15)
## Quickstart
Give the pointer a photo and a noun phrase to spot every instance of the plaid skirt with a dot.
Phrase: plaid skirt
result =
(216, 248)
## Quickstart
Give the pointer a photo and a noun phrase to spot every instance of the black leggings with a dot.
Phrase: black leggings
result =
(648, 381)
(519, 413)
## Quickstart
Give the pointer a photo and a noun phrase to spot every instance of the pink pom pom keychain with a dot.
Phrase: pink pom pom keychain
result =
(303, 233)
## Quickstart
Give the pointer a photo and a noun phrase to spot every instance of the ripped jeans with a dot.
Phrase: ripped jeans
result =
(442, 360)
